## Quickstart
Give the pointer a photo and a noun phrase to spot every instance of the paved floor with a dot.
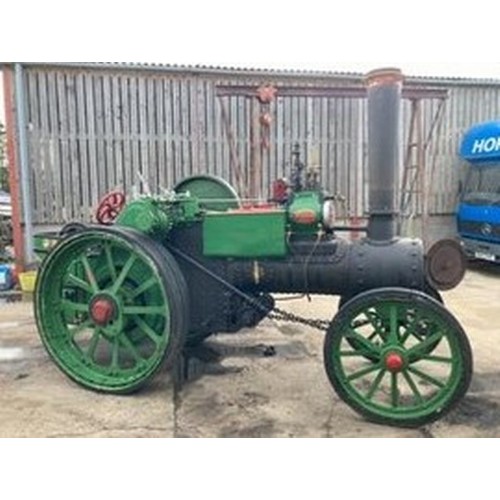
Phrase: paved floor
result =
(245, 393)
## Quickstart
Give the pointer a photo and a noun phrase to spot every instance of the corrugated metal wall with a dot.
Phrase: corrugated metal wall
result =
(94, 130)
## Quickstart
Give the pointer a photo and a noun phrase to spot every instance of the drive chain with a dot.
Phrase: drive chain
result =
(280, 315)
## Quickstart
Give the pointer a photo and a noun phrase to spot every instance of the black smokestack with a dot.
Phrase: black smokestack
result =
(384, 98)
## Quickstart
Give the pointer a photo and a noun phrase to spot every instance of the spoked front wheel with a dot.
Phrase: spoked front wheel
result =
(398, 357)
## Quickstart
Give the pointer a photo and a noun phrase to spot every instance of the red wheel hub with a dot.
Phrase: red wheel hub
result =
(102, 311)
(394, 362)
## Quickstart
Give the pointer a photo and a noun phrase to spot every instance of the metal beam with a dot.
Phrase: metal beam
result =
(353, 92)
(10, 119)
(24, 162)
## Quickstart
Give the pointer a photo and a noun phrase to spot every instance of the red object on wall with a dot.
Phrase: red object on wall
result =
(266, 119)
(280, 191)
(266, 94)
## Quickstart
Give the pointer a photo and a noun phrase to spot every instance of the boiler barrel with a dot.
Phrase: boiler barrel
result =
(336, 268)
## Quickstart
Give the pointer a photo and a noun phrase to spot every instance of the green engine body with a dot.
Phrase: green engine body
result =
(254, 232)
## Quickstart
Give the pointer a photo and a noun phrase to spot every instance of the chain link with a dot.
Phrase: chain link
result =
(280, 315)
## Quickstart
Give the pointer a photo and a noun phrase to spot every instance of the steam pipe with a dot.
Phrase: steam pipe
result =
(384, 87)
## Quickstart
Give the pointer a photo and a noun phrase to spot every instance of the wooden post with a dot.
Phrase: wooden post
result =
(256, 152)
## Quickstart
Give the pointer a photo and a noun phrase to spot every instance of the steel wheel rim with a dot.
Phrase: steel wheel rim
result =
(98, 346)
(396, 383)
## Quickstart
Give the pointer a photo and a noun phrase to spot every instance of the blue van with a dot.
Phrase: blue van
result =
(479, 207)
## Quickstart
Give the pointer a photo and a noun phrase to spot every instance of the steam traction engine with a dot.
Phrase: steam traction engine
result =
(114, 303)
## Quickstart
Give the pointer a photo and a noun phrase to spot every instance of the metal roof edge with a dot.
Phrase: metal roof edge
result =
(259, 72)
(437, 81)
(198, 69)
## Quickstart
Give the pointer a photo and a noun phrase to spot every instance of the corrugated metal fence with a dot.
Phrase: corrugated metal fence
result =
(92, 130)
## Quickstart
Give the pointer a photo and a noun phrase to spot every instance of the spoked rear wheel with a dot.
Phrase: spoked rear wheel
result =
(111, 309)
(378, 357)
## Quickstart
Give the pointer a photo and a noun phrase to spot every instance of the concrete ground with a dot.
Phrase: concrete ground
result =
(245, 393)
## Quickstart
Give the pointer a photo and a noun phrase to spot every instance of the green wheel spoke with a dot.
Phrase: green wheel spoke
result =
(437, 359)
(362, 373)
(109, 260)
(129, 346)
(66, 306)
(93, 344)
(410, 330)
(404, 338)
(361, 323)
(413, 387)
(144, 310)
(426, 377)
(394, 326)
(90, 274)
(394, 390)
(123, 274)
(375, 385)
(145, 328)
(363, 344)
(75, 281)
(151, 282)
(421, 350)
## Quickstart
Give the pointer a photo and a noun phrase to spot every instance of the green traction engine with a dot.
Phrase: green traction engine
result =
(115, 302)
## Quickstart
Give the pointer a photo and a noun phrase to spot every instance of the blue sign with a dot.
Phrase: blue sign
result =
(482, 143)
